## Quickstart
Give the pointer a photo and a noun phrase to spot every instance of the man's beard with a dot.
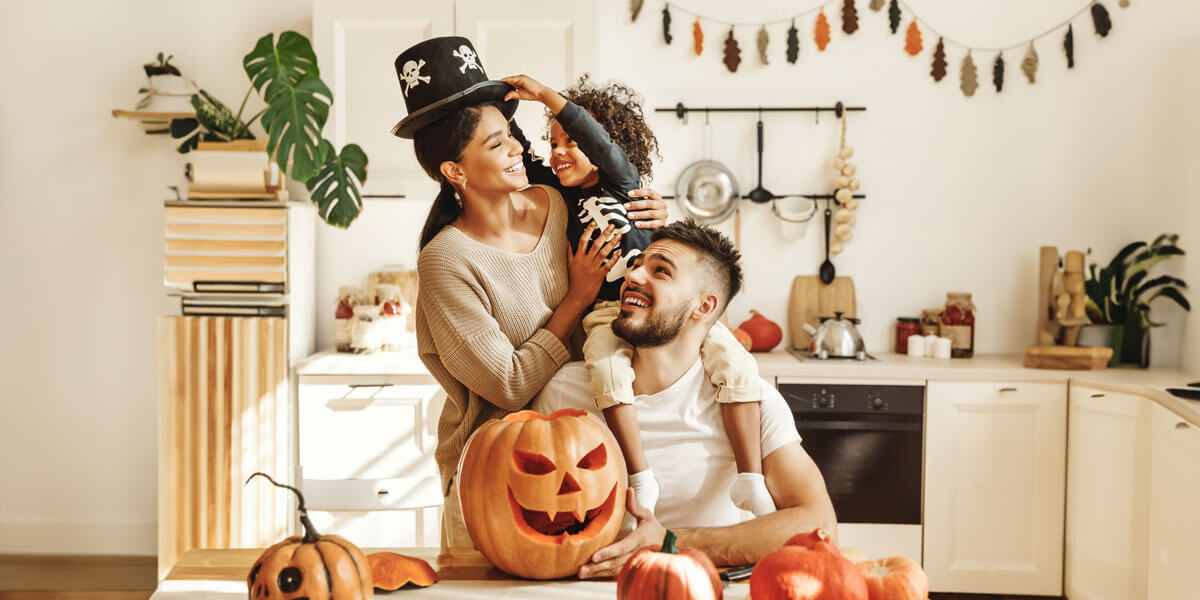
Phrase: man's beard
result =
(655, 332)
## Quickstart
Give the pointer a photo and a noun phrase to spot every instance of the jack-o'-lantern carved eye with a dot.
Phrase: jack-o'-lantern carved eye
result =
(532, 464)
(594, 460)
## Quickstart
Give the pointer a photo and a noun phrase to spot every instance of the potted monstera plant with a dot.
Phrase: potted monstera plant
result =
(1119, 298)
(286, 75)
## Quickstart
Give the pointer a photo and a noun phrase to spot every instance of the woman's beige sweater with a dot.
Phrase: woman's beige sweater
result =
(480, 320)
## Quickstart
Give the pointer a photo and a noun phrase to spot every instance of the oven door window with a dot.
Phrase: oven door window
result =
(871, 465)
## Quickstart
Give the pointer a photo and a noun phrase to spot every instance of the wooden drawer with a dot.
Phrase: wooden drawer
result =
(367, 431)
(206, 245)
(373, 494)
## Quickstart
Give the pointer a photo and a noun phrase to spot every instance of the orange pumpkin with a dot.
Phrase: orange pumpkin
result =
(896, 578)
(744, 338)
(540, 494)
(807, 567)
(392, 571)
(765, 333)
(315, 566)
(669, 573)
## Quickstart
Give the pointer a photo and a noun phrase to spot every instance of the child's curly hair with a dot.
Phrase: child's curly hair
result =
(618, 109)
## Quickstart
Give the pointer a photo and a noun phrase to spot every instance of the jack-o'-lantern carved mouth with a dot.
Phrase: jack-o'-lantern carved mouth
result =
(540, 525)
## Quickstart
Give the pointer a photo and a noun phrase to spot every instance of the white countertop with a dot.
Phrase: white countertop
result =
(400, 367)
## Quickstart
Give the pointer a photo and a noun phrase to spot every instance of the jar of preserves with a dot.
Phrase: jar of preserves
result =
(349, 297)
(931, 321)
(958, 324)
(906, 326)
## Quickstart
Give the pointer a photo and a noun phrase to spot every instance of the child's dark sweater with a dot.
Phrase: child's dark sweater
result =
(603, 202)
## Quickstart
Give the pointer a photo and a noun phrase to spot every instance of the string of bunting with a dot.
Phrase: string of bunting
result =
(914, 37)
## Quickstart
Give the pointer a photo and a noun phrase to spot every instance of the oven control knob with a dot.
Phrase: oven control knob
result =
(823, 401)
(877, 403)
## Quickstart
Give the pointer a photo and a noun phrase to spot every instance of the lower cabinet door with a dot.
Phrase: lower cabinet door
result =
(994, 487)
(1174, 508)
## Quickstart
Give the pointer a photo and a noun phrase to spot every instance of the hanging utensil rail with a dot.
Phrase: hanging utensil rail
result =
(681, 111)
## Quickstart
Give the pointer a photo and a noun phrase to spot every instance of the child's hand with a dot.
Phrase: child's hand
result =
(528, 88)
(589, 264)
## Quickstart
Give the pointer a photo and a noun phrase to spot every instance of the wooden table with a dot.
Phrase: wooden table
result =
(462, 574)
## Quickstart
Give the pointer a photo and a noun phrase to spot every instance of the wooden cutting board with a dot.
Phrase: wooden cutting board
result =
(1067, 357)
(812, 299)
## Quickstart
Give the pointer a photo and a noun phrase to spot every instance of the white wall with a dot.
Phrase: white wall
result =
(962, 192)
(82, 261)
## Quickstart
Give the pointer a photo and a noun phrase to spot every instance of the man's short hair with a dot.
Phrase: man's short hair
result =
(717, 255)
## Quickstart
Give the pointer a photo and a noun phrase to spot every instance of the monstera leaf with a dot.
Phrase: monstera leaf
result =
(298, 101)
(335, 188)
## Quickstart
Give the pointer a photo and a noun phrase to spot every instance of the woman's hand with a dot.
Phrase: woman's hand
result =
(607, 561)
(649, 211)
(589, 264)
(528, 88)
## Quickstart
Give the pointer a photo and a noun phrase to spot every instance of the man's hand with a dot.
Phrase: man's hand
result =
(648, 210)
(607, 561)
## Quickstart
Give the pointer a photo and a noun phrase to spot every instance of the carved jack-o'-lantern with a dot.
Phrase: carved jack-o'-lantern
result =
(313, 567)
(541, 493)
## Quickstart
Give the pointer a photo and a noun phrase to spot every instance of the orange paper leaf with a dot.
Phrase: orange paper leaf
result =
(912, 43)
(391, 571)
(822, 31)
(697, 37)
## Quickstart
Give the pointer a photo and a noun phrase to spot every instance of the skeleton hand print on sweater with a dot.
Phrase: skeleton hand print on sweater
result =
(605, 210)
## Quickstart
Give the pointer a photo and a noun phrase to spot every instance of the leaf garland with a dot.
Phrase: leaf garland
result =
(894, 16)
(1123, 3)
(635, 8)
(666, 22)
(1030, 64)
(793, 43)
(762, 41)
(821, 31)
(876, 5)
(1101, 19)
(849, 17)
(998, 73)
(912, 43)
(697, 37)
(1069, 47)
(733, 54)
(968, 80)
(939, 61)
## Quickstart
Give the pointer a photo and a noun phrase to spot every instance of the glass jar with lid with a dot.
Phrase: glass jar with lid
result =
(349, 297)
(906, 326)
(958, 324)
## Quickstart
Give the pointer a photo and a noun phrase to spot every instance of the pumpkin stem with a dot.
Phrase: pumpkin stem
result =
(310, 532)
(669, 543)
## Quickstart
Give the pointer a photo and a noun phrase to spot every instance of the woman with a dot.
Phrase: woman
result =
(501, 292)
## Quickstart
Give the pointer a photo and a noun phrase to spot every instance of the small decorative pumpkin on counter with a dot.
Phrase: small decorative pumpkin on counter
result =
(541, 493)
(392, 571)
(315, 566)
(744, 338)
(896, 578)
(669, 573)
(807, 567)
(764, 333)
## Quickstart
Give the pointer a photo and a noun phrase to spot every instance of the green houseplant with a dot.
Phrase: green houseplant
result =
(1120, 295)
(286, 75)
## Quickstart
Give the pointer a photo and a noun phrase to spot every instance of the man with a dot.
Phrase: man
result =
(676, 291)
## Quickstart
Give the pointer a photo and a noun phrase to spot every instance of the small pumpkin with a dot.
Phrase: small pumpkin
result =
(764, 333)
(896, 578)
(669, 573)
(312, 566)
(541, 493)
(392, 571)
(807, 567)
(744, 338)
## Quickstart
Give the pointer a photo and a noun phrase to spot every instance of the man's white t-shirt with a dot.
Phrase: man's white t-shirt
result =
(683, 434)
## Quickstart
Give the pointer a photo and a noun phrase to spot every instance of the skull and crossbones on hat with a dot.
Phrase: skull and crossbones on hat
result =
(469, 58)
(411, 72)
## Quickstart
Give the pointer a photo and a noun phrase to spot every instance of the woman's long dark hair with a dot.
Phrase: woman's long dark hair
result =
(440, 141)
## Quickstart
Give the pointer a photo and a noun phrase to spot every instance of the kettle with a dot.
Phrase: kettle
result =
(836, 338)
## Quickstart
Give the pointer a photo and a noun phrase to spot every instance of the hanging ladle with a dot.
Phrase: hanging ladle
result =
(827, 271)
(759, 195)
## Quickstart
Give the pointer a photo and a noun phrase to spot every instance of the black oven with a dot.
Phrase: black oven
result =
(867, 441)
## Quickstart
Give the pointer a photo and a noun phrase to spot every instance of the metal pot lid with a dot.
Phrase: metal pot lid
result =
(707, 191)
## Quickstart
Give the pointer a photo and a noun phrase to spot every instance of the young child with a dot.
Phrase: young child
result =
(600, 149)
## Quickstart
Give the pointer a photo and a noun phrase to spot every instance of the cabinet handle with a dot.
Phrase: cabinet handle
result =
(1007, 389)
(1097, 395)
(381, 493)
(1181, 425)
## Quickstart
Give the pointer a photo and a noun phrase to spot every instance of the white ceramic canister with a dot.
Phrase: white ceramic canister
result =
(916, 345)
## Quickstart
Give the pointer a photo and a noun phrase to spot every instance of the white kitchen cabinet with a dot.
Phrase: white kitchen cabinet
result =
(1174, 508)
(1108, 482)
(994, 487)
(357, 42)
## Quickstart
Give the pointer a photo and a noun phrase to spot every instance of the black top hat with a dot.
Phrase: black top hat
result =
(441, 75)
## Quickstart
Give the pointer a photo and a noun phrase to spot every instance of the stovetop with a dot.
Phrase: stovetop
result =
(808, 357)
